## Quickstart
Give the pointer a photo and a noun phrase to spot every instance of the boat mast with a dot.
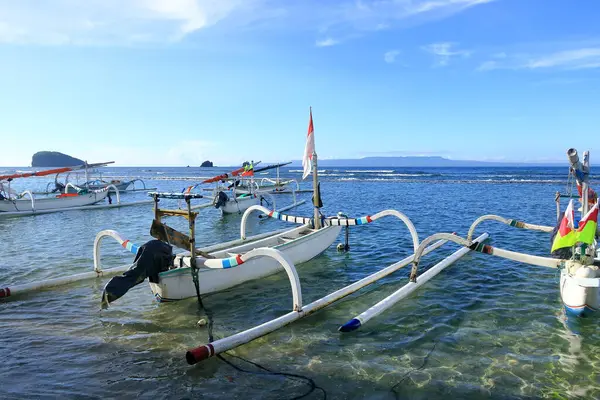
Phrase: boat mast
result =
(316, 199)
(87, 178)
(581, 173)
(585, 183)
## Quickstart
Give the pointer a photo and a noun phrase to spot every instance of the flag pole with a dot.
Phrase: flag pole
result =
(316, 199)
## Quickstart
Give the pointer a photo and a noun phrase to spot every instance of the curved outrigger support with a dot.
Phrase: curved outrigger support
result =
(280, 257)
(332, 221)
(96, 273)
(511, 222)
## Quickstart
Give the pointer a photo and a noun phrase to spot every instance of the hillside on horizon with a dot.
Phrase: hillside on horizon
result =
(422, 161)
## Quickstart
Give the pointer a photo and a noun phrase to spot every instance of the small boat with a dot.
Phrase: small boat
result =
(208, 270)
(70, 197)
(27, 202)
(241, 191)
(66, 185)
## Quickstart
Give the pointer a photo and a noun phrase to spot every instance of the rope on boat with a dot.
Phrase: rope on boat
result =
(511, 222)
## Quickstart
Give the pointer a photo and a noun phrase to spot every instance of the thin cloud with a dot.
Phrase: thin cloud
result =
(390, 56)
(114, 22)
(97, 22)
(572, 59)
(445, 51)
(326, 42)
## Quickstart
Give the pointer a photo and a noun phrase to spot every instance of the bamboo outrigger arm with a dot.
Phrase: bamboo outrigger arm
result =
(211, 349)
(510, 222)
(485, 249)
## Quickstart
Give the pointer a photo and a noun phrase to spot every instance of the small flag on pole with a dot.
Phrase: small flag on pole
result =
(309, 149)
(566, 236)
(586, 232)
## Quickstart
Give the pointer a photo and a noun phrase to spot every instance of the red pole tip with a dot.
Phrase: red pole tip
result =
(199, 353)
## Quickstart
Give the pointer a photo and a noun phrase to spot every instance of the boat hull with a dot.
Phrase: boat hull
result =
(177, 284)
(580, 301)
(52, 203)
(121, 186)
(239, 205)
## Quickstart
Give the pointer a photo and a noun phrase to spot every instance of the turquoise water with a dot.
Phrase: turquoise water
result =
(483, 328)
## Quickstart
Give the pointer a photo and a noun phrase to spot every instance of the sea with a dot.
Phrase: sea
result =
(484, 328)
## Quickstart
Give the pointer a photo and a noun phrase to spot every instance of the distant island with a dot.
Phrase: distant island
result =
(54, 159)
(424, 161)
(207, 164)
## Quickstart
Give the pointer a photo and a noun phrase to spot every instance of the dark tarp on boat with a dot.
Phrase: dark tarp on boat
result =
(152, 258)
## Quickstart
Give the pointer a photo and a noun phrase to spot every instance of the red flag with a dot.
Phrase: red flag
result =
(309, 149)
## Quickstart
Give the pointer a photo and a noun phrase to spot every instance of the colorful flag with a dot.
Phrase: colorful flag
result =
(586, 232)
(566, 236)
(309, 148)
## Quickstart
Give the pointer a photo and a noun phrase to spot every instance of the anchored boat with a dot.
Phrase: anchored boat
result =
(72, 197)
(237, 191)
(27, 202)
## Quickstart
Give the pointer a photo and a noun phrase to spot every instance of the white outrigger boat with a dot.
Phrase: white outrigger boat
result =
(63, 182)
(11, 201)
(244, 192)
(30, 203)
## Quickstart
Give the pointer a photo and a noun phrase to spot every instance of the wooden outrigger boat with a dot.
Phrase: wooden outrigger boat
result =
(242, 191)
(66, 185)
(10, 201)
(29, 203)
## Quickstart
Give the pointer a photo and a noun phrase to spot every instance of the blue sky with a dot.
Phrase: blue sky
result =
(175, 82)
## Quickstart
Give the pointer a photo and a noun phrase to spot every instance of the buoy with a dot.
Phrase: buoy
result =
(202, 322)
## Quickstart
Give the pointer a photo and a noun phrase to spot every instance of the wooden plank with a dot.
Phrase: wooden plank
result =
(177, 213)
(167, 234)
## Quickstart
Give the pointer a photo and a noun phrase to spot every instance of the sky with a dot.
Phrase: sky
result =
(177, 82)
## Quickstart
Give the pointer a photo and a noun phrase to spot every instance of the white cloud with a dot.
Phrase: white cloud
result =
(110, 22)
(453, 5)
(326, 42)
(573, 59)
(444, 51)
(390, 56)
(87, 22)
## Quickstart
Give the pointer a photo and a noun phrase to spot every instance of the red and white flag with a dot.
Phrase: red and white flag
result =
(309, 149)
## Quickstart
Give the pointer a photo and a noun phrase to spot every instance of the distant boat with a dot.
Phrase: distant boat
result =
(26, 202)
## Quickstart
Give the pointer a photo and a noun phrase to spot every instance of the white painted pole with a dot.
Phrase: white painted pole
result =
(405, 290)
(48, 283)
(203, 352)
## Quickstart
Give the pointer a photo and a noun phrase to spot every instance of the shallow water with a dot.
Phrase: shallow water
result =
(483, 328)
